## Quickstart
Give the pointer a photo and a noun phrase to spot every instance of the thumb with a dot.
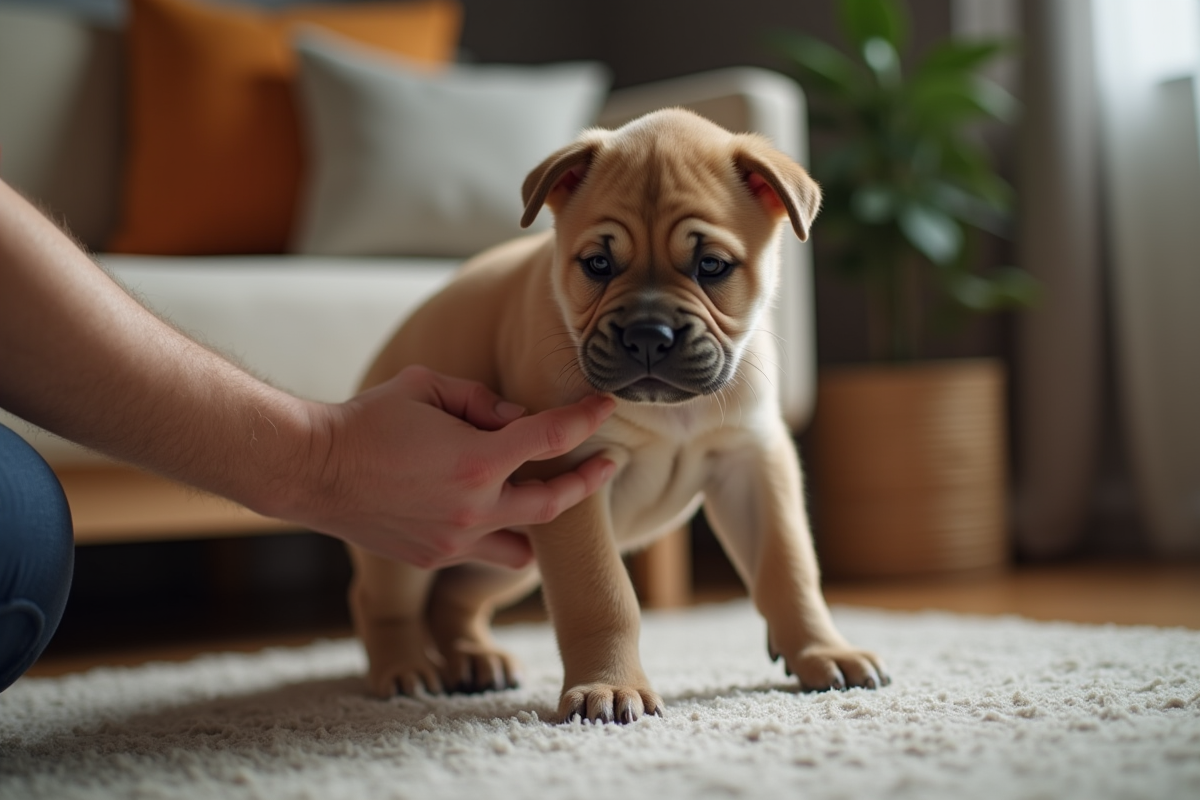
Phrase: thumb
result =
(473, 402)
(550, 433)
(504, 548)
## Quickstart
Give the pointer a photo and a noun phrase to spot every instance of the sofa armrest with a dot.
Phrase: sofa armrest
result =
(62, 94)
(748, 99)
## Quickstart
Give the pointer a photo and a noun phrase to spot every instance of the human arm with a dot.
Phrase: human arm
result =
(415, 468)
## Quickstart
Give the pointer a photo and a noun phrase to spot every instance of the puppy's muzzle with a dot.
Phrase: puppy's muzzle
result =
(654, 358)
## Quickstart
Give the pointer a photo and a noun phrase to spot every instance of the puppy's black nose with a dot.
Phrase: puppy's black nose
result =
(648, 342)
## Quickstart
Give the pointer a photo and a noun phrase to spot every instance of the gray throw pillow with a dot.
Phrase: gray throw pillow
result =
(404, 160)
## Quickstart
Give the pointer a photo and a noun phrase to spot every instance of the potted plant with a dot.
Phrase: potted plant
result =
(908, 454)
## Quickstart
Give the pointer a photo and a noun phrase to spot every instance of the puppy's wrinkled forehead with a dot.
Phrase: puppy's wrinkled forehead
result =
(668, 158)
(660, 167)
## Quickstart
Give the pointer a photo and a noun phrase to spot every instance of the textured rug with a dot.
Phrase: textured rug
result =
(980, 708)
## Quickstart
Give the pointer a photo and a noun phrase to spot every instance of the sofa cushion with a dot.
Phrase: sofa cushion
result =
(408, 161)
(215, 156)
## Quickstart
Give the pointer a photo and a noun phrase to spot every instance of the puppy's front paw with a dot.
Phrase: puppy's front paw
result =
(473, 666)
(407, 675)
(823, 667)
(603, 702)
(400, 658)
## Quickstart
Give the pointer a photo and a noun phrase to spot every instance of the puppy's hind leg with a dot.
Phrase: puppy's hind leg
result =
(460, 614)
(387, 602)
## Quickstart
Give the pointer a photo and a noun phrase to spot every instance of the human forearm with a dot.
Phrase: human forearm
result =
(81, 358)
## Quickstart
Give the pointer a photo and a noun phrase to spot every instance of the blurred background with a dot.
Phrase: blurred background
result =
(1100, 373)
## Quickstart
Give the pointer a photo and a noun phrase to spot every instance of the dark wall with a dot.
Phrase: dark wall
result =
(646, 40)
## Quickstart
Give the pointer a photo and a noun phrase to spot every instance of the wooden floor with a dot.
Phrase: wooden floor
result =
(1164, 594)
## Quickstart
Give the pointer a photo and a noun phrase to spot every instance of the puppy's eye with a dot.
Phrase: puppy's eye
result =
(712, 267)
(598, 266)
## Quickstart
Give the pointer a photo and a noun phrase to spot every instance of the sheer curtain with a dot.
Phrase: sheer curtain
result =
(1109, 180)
(1147, 60)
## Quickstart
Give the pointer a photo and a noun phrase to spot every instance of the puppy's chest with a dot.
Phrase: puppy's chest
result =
(662, 476)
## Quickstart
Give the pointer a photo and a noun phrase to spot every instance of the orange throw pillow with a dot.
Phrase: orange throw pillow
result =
(215, 148)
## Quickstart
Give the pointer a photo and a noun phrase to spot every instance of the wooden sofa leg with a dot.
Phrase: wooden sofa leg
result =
(662, 573)
(121, 504)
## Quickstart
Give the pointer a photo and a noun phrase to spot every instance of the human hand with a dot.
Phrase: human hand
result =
(418, 469)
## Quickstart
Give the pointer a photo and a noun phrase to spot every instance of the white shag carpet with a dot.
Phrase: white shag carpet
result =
(979, 708)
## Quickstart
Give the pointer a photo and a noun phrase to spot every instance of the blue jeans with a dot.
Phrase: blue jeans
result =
(37, 556)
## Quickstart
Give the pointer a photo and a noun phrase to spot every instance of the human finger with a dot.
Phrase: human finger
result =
(504, 548)
(536, 502)
(472, 401)
(550, 433)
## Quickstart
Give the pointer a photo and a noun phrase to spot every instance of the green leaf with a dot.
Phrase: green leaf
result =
(874, 204)
(998, 101)
(931, 231)
(883, 60)
(820, 67)
(966, 164)
(840, 163)
(973, 293)
(1006, 289)
(947, 102)
(962, 56)
(970, 208)
(1017, 288)
(863, 20)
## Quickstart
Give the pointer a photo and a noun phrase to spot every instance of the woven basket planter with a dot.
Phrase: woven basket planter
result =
(909, 469)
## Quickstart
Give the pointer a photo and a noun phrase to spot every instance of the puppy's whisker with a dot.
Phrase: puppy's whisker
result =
(553, 335)
(570, 369)
(562, 341)
(560, 349)
(769, 378)
(563, 331)
(763, 373)
(570, 376)
(757, 399)
(763, 359)
(769, 332)
(721, 403)
(578, 379)
(569, 347)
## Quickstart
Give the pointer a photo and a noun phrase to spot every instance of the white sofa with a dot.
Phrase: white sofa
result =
(308, 324)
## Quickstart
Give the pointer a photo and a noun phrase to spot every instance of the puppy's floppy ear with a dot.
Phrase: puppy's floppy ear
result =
(779, 183)
(553, 181)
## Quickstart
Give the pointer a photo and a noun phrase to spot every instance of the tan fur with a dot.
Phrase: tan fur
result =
(525, 318)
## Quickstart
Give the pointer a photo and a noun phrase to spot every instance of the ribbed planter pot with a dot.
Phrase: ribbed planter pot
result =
(909, 469)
